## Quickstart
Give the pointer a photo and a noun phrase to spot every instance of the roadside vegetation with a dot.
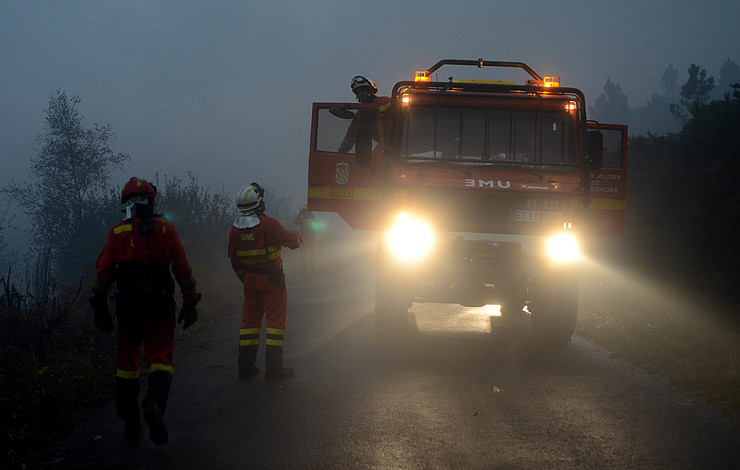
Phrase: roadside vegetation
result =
(673, 306)
(683, 227)
(53, 363)
(691, 341)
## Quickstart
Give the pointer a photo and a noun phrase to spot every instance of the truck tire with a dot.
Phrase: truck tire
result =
(554, 311)
(390, 318)
(391, 302)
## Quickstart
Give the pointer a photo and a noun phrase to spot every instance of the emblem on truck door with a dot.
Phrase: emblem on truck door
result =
(341, 174)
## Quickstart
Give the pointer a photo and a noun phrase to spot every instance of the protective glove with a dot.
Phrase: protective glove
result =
(188, 313)
(101, 315)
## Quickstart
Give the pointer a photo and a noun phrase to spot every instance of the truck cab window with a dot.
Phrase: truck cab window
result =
(332, 130)
(482, 136)
(612, 148)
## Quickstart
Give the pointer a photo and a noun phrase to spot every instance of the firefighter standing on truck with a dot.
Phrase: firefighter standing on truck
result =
(254, 249)
(365, 91)
(138, 255)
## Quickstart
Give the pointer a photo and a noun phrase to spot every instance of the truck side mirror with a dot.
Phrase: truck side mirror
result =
(595, 148)
(363, 146)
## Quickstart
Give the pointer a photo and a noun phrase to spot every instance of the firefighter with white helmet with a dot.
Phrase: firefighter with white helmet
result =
(141, 254)
(255, 241)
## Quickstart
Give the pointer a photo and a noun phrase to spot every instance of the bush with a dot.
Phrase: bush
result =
(50, 369)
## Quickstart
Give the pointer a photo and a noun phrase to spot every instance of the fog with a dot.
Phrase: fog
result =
(224, 89)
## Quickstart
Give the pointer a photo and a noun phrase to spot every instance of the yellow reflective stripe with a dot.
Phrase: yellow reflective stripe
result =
(274, 337)
(250, 252)
(608, 204)
(190, 282)
(254, 257)
(270, 250)
(164, 228)
(99, 287)
(123, 228)
(358, 194)
(127, 374)
(384, 107)
(249, 336)
(162, 367)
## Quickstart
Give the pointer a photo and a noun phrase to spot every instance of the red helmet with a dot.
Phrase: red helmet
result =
(136, 188)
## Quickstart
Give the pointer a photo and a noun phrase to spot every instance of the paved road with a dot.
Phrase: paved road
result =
(448, 397)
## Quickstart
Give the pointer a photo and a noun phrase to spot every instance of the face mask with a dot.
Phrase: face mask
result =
(128, 209)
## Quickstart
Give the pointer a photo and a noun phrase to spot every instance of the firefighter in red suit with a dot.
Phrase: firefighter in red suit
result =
(140, 256)
(366, 118)
(254, 250)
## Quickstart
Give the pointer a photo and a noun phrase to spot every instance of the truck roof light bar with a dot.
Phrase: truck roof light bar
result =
(480, 63)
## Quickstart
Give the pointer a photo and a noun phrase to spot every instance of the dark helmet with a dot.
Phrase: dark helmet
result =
(360, 81)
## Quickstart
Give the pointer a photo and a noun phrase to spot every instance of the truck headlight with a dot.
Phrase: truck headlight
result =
(409, 239)
(563, 247)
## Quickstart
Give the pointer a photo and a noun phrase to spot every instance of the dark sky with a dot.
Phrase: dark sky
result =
(224, 89)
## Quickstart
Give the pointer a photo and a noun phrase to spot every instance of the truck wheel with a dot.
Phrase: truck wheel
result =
(391, 307)
(509, 320)
(390, 318)
(512, 304)
(392, 298)
(554, 312)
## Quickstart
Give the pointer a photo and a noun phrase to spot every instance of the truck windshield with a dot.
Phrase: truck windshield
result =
(489, 135)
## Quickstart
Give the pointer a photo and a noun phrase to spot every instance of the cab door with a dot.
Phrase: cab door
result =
(608, 185)
(341, 179)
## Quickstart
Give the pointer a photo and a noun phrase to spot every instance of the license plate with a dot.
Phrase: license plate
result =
(545, 217)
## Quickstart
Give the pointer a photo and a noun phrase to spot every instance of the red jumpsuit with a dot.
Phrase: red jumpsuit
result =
(255, 258)
(366, 117)
(145, 306)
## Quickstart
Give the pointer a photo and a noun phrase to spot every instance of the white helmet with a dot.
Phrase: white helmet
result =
(250, 197)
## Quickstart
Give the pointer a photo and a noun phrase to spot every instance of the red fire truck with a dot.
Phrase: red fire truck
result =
(483, 191)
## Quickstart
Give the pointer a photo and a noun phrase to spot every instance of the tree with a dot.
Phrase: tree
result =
(729, 74)
(70, 173)
(691, 225)
(611, 105)
(654, 117)
(3, 244)
(669, 84)
(694, 93)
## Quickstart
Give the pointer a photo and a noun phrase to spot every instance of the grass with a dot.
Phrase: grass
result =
(687, 339)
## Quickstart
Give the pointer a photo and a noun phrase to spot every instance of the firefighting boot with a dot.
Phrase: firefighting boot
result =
(247, 358)
(127, 407)
(274, 370)
(154, 405)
